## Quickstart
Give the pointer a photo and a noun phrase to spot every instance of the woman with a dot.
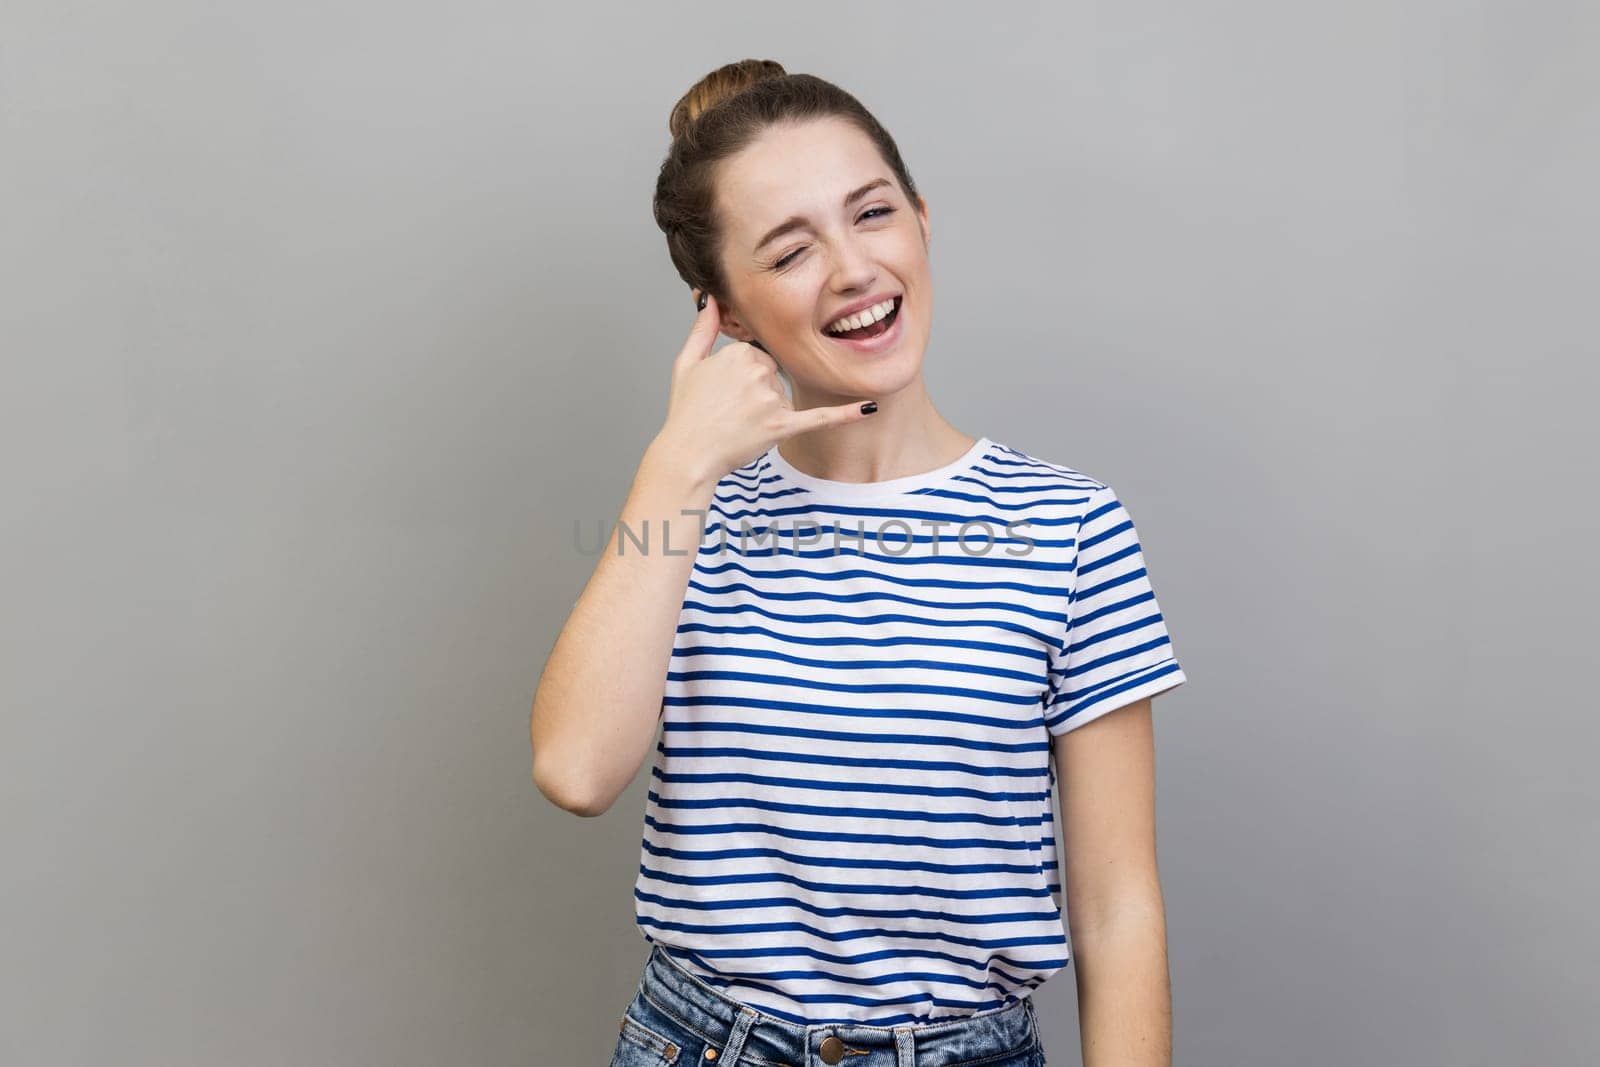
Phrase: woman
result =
(877, 664)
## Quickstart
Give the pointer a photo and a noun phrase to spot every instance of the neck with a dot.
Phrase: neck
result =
(905, 436)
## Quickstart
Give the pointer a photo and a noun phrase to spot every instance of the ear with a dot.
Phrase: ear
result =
(922, 216)
(734, 327)
(731, 326)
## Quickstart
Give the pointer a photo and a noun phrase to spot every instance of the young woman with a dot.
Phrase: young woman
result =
(877, 664)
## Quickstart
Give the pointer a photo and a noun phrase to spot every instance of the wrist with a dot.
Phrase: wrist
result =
(670, 461)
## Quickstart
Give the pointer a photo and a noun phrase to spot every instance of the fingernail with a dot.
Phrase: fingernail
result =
(869, 407)
(701, 303)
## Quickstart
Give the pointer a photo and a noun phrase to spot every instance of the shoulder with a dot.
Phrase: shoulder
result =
(1043, 470)
(1044, 481)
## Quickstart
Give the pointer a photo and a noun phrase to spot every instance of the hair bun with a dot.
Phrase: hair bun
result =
(719, 85)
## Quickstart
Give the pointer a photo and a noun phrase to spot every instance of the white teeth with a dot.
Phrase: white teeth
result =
(862, 318)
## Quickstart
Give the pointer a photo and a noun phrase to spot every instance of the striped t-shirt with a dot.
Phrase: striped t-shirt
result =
(850, 813)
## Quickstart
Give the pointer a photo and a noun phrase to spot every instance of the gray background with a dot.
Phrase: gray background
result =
(323, 323)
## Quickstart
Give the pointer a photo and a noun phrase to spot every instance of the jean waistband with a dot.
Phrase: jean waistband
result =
(738, 1029)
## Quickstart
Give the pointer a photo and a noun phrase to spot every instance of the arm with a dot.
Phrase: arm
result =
(599, 697)
(1105, 773)
(598, 702)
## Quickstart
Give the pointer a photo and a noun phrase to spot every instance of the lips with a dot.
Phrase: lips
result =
(884, 323)
(889, 337)
(859, 305)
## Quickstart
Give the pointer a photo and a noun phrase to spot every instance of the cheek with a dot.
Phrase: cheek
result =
(916, 252)
(911, 267)
(795, 311)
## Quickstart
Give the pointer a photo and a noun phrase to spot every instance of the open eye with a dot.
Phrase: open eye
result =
(875, 212)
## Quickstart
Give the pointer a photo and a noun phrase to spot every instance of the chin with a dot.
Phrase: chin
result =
(879, 379)
(848, 374)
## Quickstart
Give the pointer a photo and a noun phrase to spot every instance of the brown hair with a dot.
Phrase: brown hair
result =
(717, 118)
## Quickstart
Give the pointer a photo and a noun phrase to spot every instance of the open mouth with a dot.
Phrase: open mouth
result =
(875, 329)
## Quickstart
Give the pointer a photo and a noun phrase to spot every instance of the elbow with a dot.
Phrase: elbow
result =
(568, 791)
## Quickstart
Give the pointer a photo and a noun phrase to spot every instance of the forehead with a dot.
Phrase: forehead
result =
(805, 169)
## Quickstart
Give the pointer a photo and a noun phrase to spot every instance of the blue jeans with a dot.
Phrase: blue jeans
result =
(677, 1020)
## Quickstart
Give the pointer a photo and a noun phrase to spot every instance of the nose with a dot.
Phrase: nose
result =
(853, 268)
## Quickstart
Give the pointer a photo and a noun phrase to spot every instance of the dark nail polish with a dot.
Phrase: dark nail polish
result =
(701, 303)
(869, 407)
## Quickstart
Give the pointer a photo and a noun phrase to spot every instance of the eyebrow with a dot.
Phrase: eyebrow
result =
(795, 222)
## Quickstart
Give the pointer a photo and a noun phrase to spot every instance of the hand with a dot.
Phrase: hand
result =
(728, 407)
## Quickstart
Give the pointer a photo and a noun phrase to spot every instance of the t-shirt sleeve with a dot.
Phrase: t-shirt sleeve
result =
(1115, 648)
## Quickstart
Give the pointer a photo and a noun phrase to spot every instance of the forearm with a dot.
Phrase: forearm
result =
(599, 697)
(1124, 991)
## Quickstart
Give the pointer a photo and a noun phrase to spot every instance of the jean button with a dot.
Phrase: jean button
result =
(832, 1050)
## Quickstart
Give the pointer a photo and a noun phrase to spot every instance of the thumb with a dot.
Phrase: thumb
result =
(707, 324)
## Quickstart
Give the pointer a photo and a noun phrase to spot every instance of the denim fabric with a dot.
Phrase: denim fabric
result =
(677, 1020)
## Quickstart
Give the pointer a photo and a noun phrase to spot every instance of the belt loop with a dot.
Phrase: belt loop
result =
(741, 1030)
(905, 1047)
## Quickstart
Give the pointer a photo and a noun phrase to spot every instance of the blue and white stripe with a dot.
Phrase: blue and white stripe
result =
(850, 814)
